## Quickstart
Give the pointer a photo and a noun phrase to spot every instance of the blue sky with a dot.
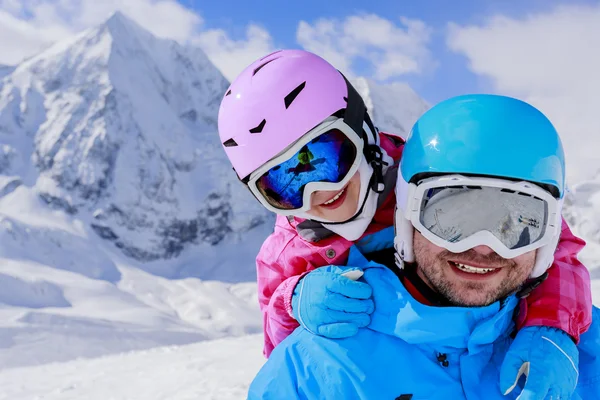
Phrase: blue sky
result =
(450, 77)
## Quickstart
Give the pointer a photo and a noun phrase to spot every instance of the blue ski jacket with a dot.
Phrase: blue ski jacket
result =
(410, 351)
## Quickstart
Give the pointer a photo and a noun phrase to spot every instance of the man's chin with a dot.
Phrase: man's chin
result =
(474, 292)
(473, 302)
(472, 295)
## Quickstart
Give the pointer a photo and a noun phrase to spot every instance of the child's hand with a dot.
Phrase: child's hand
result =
(549, 359)
(332, 305)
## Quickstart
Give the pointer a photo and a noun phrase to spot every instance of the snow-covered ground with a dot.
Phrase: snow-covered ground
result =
(65, 293)
(213, 370)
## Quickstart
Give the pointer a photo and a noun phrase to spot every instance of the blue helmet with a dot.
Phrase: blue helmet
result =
(486, 136)
(490, 135)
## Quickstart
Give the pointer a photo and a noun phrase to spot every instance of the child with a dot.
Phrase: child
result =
(298, 135)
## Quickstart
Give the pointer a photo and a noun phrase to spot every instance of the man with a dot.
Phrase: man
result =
(479, 197)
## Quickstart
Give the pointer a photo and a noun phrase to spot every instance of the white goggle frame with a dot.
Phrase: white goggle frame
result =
(416, 193)
(311, 187)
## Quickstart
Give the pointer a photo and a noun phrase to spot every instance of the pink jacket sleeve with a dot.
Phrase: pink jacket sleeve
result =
(564, 299)
(277, 277)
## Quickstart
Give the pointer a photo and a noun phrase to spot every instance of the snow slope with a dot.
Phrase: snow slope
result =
(212, 370)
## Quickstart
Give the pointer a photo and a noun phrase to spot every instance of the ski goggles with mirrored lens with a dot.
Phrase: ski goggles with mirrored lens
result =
(326, 158)
(459, 213)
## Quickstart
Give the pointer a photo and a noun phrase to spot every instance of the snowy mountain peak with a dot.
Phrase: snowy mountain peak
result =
(5, 70)
(118, 20)
(118, 128)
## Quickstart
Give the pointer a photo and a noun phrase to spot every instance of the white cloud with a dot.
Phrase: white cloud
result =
(232, 56)
(552, 60)
(389, 49)
(19, 38)
(26, 27)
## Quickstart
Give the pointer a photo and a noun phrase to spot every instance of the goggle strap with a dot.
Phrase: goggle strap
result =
(371, 126)
(374, 156)
(355, 109)
(354, 116)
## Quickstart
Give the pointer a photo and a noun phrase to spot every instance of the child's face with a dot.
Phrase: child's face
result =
(340, 209)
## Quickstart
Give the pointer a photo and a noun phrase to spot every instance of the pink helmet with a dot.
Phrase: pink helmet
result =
(275, 101)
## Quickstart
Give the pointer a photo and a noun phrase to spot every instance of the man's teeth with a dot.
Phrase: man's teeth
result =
(337, 196)
(473, 270)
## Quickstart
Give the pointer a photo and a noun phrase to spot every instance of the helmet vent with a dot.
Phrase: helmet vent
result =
(261, 66)
(259, 128)
(269, 55)
(293, 94)
(230, 143)
(228, 93)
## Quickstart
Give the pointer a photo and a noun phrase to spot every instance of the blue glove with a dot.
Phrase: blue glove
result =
(548, 358)
(332, 305)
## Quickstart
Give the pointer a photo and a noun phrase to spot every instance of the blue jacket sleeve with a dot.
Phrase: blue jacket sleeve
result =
(289, 364)
(274, 382)
(589, 360)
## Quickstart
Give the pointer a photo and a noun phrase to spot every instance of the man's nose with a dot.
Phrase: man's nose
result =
(483, 250)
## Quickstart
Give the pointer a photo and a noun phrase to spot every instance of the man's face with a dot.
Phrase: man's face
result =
(477, 277)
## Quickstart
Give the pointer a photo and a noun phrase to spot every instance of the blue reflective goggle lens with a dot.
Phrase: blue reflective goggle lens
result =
(455, 213)
(326, 158)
